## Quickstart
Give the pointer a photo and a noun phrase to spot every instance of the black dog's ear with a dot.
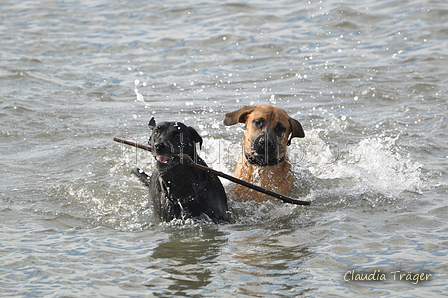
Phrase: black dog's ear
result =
(297, 130)
(152, 123)
(196, 137)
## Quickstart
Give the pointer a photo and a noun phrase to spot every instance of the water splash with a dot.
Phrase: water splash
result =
(373, 164)
(373, 168)
(139, 95)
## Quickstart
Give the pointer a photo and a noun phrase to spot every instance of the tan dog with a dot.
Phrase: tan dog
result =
(269, 131)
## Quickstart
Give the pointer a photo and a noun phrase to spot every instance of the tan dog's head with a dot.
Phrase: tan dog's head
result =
(269, 131)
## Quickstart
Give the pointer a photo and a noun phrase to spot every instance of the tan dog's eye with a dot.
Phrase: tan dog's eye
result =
(280, 128)
(258, 123)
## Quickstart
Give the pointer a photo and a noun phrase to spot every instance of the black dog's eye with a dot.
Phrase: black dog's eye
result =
(258, 122)
(155, 132)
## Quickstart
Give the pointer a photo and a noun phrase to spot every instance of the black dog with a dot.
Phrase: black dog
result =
(177, 190)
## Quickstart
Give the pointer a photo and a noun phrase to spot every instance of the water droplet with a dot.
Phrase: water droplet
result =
(140, 97)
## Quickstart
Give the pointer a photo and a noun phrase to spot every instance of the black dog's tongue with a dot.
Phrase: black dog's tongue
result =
(163, 159)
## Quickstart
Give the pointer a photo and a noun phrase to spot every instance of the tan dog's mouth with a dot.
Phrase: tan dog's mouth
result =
(263, 160)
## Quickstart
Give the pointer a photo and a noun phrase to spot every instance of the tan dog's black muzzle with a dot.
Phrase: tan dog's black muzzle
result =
(265, 146)
(264, 151)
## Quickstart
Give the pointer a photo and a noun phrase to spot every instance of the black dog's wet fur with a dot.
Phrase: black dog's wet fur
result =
(178, 191)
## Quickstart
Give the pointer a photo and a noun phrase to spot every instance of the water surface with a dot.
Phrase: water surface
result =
(366, 80)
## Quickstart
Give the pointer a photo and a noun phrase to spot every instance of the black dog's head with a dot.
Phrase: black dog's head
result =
(169, 138)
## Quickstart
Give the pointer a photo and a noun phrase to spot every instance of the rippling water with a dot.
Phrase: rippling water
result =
(367, 80)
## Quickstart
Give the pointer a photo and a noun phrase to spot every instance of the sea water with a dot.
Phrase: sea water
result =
(367, 80)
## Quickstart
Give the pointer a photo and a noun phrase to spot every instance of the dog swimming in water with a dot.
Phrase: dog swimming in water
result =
(176, 190)
(268, 133)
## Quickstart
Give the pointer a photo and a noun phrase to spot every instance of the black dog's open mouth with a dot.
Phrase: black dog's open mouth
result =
(163, 159)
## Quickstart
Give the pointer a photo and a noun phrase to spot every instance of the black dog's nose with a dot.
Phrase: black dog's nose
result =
(161, 146)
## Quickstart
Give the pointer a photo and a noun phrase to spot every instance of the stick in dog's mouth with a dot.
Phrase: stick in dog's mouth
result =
(191, 163)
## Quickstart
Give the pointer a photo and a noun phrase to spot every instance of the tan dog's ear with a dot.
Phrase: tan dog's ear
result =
(238, 116)
(297, 130)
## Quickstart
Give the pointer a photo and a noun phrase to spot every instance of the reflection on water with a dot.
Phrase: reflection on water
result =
(182, 264)
(206, 257)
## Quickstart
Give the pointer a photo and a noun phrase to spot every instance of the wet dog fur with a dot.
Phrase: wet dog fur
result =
(176, 190)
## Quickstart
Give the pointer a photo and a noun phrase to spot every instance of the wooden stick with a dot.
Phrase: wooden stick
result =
(191, 163)
(285, 199)
(132, 144)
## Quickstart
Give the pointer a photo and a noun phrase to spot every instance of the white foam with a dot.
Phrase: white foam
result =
(373, 163)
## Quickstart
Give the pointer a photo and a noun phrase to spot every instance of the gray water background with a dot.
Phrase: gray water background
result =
(367, 80)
